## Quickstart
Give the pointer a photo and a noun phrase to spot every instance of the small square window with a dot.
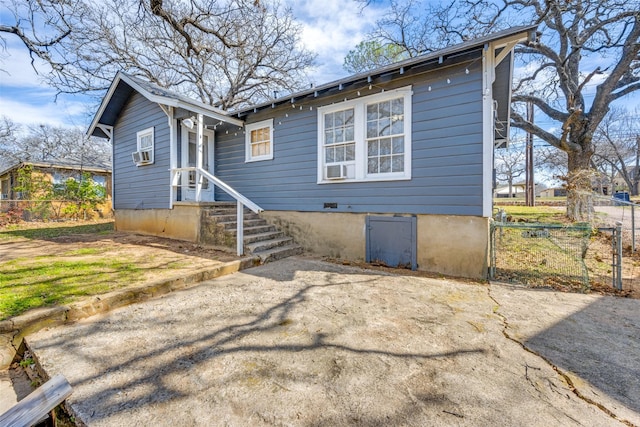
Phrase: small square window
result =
(145, 147)
(259, 141)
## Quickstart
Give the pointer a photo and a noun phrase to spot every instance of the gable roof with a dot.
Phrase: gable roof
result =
(437, 58)
(124, 84)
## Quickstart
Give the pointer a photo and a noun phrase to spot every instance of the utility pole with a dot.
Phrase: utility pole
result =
(530, 194)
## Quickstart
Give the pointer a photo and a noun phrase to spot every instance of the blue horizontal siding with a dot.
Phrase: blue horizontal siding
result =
(446, 156)
(140, 187)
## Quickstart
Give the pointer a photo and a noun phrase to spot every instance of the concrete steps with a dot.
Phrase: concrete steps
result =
(260, 238)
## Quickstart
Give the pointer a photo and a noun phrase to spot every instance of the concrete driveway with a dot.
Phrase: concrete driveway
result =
(302, 342)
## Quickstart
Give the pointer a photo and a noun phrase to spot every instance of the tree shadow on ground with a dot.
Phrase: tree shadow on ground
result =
(247, 333)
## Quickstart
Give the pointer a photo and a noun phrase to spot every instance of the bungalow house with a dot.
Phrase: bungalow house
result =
(554, 192)
(394, 164)
(56, 172)
(516, 190)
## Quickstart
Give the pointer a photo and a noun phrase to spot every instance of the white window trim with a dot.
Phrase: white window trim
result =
(359, 106)
(139, 136)
(247, 145)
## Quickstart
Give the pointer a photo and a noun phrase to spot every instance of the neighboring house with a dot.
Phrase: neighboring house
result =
(398, 160)
(554, 192)
(55, 172)
(517, 190)
(619, 184)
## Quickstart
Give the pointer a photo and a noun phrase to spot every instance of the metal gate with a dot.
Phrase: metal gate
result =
(540, 254)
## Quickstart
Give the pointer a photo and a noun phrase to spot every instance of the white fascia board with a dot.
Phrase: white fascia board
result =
(104, 103)
(511, 40)
(195, 106)
(207, 111)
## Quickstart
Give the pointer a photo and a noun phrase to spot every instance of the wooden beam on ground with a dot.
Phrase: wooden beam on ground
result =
(38, 404)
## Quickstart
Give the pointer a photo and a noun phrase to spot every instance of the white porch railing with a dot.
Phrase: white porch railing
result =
(242, 201)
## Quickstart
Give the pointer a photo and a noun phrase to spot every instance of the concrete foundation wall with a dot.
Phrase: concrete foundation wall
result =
(446, 244)
(181, 222)
(452, 245)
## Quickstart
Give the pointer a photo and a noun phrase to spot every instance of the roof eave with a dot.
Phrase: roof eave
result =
(517, 33)
(195, 106)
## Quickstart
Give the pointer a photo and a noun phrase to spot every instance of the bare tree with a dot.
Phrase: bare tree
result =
(583, 45)
(510, 165)
(618, 146)
(224, 52)
(45, 143)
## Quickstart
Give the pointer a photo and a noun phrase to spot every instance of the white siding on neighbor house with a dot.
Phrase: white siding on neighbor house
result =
(140, 187)
(446, 154)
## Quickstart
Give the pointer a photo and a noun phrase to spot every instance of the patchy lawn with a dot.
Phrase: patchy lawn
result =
(45, 264)
(543, 214)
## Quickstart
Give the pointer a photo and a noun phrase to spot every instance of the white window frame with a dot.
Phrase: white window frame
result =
(141, 134)
(247, 149)
(359, 172)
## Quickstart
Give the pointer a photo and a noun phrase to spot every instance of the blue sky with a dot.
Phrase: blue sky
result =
(330, 31)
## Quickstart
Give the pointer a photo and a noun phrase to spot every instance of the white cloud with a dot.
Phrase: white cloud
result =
(331, 29)
(41, 108)
(16, 69)
(27, 100)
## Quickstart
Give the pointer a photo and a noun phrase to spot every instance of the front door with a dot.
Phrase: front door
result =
(189, 159)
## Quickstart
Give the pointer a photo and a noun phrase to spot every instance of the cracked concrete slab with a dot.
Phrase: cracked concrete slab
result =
(592, 340)
(302, 342)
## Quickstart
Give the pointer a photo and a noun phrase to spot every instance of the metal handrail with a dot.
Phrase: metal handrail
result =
(242, 201)
(230, 191)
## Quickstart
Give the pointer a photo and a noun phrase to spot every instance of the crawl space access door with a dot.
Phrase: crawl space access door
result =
(391, 240)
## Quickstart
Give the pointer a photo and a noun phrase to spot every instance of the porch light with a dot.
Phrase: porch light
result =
(190, 122)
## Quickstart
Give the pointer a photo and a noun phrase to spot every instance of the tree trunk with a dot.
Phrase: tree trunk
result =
(579, 190)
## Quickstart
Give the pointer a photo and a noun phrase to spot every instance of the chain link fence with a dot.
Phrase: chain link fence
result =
(603, 254)
(540, 254)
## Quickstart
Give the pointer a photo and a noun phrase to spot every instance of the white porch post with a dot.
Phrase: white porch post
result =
(199, 156)
(173, 155)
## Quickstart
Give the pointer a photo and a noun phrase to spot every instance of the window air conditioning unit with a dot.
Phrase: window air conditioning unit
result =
(336, 171)
(141, 157)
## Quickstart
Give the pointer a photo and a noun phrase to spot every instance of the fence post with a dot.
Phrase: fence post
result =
(633, 229)
(617, 256)
(492, 250)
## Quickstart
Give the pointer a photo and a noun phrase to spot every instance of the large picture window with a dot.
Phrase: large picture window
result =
(366, 139)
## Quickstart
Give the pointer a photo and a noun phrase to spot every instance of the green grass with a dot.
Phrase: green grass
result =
(27, 283)
(53, 230)
(543, 214)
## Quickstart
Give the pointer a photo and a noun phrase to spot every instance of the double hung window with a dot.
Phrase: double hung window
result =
(259, 141)
(366, 139)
